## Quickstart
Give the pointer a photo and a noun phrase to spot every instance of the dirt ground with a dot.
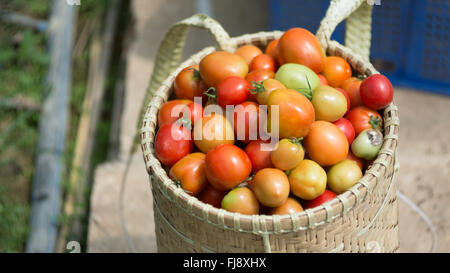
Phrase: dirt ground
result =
(424, 151)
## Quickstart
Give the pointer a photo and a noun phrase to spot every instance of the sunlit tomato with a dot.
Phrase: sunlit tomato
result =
(259, 157)
(172, 143)
(211, 131)
(171, 111)
(271, 49)
(346, 97)
(287, 154)
(351, 87)
(322, 79)
(298, 45)
(248, 52)
(337, 70)
(220, 65)
(212, 196)
(263, 62)
(296, 113)
(259, 75)
(188, 83)
(195, 112)
(357, 160)
(232, 91)
(363, 118)
(190, 173)
(246, 121)
(326, 144)
(271, 187)
(329, 104)
(291, 205)
(319, 200)
(241, 200)
(308, 180)
(347, 128)
(227, 166)
(264, 90)
(343, 176)
(376, 92)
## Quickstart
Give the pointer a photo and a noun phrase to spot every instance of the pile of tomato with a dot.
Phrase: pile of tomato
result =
(329, 126)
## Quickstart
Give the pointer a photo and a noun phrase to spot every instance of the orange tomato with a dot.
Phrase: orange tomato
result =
(248, 52)
(171, 111)
(351, 87)
(298, 45)
(291, 205)
(337, 70)
(212, 131)
(363, 118)
(241, 200)
(271, 49)
(264, 62)
(264, 90)
(190, 173)
(212, 196)
(326, 143)
(188, 84)
(271, 187)
(287, 154)
(220, 65)
(322, 79)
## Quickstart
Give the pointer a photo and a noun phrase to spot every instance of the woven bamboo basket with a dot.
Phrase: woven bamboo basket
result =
(363, 219)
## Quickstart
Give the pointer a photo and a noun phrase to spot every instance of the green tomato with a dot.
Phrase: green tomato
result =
(297, 77)
(329, 104)
(343, 176)
(367, 144)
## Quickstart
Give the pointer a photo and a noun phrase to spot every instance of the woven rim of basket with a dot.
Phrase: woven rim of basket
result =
(272, 224)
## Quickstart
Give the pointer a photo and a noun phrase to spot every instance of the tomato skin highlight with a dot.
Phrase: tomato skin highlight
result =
(376, 92)
(347, 128)
(188, 83)
(172, 143)
(220, 65)
(212, 196)
(260, 159)
(232, 91)
(227, 166)
(360, 117)
(190, 172)
(326, 196)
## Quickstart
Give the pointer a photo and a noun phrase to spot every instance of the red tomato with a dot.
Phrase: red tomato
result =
(248, 52)
(188, 83)
(260, 159)
(322, 79)
(271, 49)
(260, 75)
(363, 118)
(246, 121)
(347, 128)
(212, 196)
(263, 62)
(351, 87)
(324, 197)
(298, 45)
(171, 111)
(172, 143)
(190, 173)
(346, 96)
(232, 91)
(376, 92)
(195, 112)
(220, 65)
(337, 70)
(227, 166)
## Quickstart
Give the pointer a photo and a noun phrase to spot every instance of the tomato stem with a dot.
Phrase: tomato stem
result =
(258, 87)
(211, 93)
(296, 140)
(375, 122)
(185, 120)
(196, 73)
(309, 93)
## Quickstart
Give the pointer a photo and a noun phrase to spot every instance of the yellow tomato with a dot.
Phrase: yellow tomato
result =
(308, 180)
(287, 154)
(343, 176)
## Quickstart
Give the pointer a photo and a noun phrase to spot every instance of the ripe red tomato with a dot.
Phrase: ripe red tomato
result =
(376, 92)
(190, 173)
(260, 75)
(227, 166)
(337, 70)
(188, 83)
(346, 96)
(298, 45)
(347, 128)
(363, 118)
(246, 121)
(171, 111)
(212, 196)
(220, 65)
(260, 159)
(172, 143)
(271, 49)
(322, 79)
(351, 87)
(232, 91)
(326, 196)
(263, 62)
(248, 52)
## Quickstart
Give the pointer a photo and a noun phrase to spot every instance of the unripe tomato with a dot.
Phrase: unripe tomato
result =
(248, 52)
(264, 90)
(347, 128)
(298, 45)
(289, 206)
(376, 92)
(351, 87)
(337, 70)
(298, 77)
(271, 49)
(296, 113)
(326, 144)
(260, 159)
(308, 180)
(263, 62)
(188, 83)
(190, 173)
(212, 131)
(246, 121)
(220, 65)
(343, 176)
(241, 200)
(227, 166)
(363, 118)
(329, 104)
(319, 200)
(172, 143)
(232, 91)
(367, 144)
(287, 154)
(212, 196)
(259, 75)
(171, 111)
(271, 187)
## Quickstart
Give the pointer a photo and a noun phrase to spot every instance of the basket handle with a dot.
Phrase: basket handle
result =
(359, 22)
